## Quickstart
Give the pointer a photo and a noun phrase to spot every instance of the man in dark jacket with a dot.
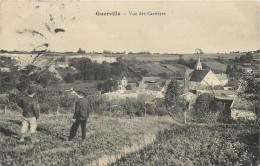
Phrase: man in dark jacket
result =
(80, 117)
(31, 113)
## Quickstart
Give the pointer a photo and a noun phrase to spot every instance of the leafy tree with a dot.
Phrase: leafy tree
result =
(205, 66)
(108, 86)
(80, 63)
(89, 74)
(46, 78)
(9, 80)
(253, 88)
(175, 105)
(204, 102)
(209, 110)
(70, 78)
(228, 69)
(118, 68)
(81, 51)
(249, 57)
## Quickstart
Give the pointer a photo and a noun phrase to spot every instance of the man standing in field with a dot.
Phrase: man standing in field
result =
(80, 117)
(31, 113)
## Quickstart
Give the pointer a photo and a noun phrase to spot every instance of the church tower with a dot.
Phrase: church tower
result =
(198, 64)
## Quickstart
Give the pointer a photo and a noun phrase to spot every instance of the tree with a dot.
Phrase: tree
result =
(253, 89)
(228, 69)
(209, 110)
(108, 86)
(204, 102)
(249, 57)
(175, 105)
(70, 78)
(81, 51)
(199, 51)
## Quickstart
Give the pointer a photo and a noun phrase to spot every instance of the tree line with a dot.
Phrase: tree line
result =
(88, 70)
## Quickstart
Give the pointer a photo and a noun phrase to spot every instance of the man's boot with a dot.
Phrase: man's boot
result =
(22, 137)
(33, 138)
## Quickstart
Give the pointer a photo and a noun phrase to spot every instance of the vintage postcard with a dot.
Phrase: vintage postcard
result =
(129, 82)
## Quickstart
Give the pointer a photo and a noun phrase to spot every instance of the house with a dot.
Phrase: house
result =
(149, 80)
(223, 79)
(122, 83)
(203, 78)
(156, 91)
(242, 108)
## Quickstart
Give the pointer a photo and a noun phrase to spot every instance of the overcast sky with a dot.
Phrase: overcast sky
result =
(211, 26)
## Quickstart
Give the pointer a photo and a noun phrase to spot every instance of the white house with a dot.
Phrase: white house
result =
(203, 78)
(148, 80)
(122, 83)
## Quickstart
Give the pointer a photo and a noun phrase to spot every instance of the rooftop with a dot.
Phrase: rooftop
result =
(198, 75)
(241, 103)
(221, 76)
(150, 79)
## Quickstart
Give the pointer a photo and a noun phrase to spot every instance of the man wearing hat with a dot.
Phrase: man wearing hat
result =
(80, 117)
(31, 113)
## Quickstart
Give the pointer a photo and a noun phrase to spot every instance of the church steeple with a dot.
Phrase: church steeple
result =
(198, 64)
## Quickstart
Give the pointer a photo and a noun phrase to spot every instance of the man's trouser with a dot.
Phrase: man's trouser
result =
(75, 126)
(29, 121)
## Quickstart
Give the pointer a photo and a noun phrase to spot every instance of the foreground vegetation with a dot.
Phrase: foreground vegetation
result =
(199, 145)
(107, 140)
(136, 141)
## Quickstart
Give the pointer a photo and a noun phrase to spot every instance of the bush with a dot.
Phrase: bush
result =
(138, 113)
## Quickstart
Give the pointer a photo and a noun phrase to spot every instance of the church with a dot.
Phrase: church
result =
(205, 79)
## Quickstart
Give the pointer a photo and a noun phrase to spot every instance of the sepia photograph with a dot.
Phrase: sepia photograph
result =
(138, 83)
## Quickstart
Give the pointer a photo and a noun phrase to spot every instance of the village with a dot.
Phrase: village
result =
(139, 83)
(194, 82)
(128, 97)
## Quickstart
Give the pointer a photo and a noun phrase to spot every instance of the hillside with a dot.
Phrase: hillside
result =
(215, 65)
(108, 139)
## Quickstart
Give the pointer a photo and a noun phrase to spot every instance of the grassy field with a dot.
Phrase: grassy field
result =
(190, 145)
(136, 141)
(108, 139)
(162, 57)
(215, 65)
(155, 69)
